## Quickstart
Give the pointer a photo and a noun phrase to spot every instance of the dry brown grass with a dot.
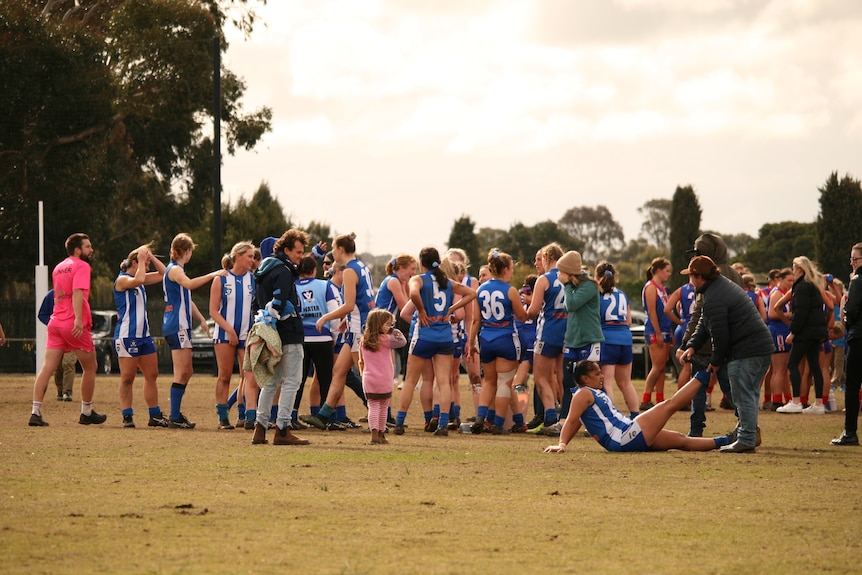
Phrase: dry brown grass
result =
(86, 499)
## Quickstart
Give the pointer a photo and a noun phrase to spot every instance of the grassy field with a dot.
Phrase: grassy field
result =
(88, 499)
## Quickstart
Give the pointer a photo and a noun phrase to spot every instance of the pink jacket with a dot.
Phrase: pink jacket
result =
(379, 370)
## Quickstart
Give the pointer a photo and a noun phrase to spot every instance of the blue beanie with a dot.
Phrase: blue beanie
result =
(266, 246)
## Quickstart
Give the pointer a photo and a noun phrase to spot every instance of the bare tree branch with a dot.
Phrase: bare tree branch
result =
(68, 14)
(11, 153)
(91, 11)
(49, 6)
(82, 135)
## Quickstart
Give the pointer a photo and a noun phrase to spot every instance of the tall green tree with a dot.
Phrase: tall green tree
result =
(596, 228)
(656, 225)
(736, 244)
(777, 245)
(463, 235)
(839, 223)
(317, 232)
(522, 242)
(106, 110)
(488, 238)
(255, 219)
(685, 216)
(56, 96)
(247, 220)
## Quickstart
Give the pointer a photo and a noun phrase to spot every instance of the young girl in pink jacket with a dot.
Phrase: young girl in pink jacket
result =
(377, 367)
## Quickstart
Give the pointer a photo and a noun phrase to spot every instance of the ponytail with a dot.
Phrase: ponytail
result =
(429, 257)
(440, 275)
(606, 276)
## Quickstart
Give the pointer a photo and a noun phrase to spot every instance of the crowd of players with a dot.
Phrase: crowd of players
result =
(287, 327)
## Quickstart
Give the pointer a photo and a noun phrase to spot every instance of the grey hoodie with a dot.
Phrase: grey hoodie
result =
(713, 247)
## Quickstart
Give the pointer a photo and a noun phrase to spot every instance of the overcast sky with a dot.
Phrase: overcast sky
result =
(393, 119)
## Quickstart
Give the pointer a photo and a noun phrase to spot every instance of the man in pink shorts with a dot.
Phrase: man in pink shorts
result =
(69, 329)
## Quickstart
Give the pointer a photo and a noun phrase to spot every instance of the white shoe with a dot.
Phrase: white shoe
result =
(790, 407)
(814, 410)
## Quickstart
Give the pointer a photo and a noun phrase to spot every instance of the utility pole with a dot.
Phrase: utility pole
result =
(217, 152)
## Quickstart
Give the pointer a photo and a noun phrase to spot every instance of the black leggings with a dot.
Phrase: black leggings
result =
(853, 369)
(810, 349)
(319, 354)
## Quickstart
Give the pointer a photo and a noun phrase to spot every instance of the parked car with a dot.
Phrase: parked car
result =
(640, 362)
(104, 323)
(203, 352)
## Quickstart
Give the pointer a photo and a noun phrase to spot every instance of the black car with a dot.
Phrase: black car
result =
(641, 363)
(104, 323)
(203, 352)
(640, 354)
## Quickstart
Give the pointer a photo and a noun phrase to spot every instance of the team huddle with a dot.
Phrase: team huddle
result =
(285, 326)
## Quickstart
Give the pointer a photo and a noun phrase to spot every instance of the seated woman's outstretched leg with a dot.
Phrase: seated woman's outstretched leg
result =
(616, 432)
(653, 420)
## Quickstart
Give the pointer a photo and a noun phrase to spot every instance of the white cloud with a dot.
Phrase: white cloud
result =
(434, 117)
(632, 126)
(449, 86)
(314, 130)
(695, 7)
(474, 78)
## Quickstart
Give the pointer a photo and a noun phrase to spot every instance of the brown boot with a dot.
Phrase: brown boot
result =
(285, 437)
(381, 437)
(375, 437)
(259, 434)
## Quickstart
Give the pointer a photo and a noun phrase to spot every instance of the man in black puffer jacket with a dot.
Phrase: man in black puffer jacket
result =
(713, 247)
(739, 339)
(853, 326)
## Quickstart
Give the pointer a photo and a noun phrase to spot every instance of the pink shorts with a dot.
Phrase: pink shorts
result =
(62, 338)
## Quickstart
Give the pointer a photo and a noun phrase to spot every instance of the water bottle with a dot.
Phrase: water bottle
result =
(833, 403)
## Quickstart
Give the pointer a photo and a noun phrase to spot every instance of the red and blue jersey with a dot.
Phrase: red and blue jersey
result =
(665, 323)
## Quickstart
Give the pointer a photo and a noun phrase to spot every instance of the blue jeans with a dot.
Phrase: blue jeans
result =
(745, 375)
(288, 374)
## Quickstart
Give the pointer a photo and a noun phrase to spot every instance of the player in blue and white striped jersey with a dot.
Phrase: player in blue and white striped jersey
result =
(132, 339)
(231, 297)
(614, 431)
(177, 321)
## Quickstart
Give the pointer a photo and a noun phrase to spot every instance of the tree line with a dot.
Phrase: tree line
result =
(669, 229)
(107, 108)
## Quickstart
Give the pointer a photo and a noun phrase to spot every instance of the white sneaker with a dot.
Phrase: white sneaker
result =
(814, 410)
(790, 407)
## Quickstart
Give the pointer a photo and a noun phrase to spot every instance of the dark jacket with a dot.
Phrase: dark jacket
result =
(276, 280)
(47, 307)
(809, 317)
(853, 307)
(731, 320)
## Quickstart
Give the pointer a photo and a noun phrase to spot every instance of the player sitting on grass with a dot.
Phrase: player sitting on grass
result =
(616, 432)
